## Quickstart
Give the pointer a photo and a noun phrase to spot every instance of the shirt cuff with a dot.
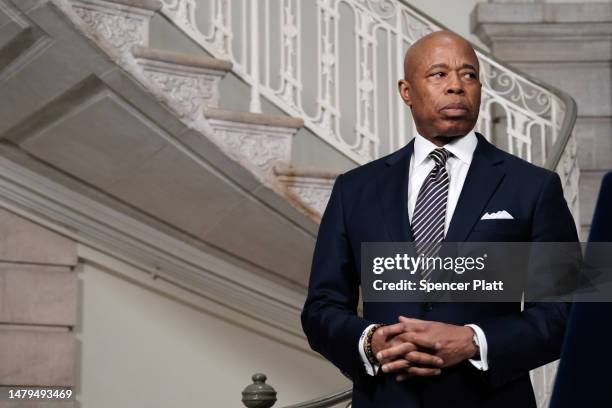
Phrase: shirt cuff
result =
(370, 368)
(482, 363)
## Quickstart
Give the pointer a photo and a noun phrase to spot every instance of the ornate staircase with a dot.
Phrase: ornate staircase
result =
(125, 147)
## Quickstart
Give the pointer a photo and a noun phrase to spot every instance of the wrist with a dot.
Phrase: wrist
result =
(472, 340)
(370, 353)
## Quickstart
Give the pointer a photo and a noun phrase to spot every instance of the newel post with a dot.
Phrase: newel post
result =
(259, 394)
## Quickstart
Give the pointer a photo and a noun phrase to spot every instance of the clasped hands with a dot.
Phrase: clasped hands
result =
(415, 347)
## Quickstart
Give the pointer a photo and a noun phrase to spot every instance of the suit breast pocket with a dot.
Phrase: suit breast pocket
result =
(507, 228)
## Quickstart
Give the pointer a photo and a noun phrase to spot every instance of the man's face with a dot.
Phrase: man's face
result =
(443, 87)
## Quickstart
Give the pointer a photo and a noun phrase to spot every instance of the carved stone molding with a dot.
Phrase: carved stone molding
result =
(314, 194)
(313, 187)
(262, 146)
(118, 23)
(258, 140)
(194, 88)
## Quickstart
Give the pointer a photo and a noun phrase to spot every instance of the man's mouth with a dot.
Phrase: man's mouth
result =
(455, 109)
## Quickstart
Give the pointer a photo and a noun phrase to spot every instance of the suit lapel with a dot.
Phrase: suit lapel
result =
(483, 177)
(392, 187)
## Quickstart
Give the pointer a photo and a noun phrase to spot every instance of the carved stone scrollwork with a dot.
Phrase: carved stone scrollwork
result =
(313, 190)
(120, 26)
(184, 11)
(315, 196)
(260, 145)
(192, 89)
(191, 93)
(120, 32)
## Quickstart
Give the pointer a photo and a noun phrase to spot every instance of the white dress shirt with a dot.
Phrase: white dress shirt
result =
(457, 166)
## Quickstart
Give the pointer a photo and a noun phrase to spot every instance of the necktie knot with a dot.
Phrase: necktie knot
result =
(440, 156)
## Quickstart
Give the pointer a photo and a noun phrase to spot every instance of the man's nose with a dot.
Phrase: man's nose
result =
(454, 86)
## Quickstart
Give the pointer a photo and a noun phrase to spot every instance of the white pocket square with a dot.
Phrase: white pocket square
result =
(499, 215)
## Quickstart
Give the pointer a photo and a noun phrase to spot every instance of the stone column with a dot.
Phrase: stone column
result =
(38, 305)
(568, 45)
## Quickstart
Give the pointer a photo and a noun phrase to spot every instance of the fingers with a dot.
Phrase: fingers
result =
(413, 324)
(419, 358)
(383, 337)
(424, 341)
(413, 359)
(404, 337)
(397, 340)
(400, 339)
(396, 365)
(418, 371)
(404, 319)
(409, 359)
(424, 371)
(394, 352)
(391, 330)
(405, 343)
(410, 370)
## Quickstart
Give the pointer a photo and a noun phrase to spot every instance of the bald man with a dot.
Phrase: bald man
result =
(436, 188)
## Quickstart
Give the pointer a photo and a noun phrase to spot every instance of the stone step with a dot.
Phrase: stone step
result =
(122, 23)
(262, 140)
(313, 186)
(192, 81)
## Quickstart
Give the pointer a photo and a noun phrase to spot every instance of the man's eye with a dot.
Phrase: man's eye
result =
(471, 75)
(438, 74)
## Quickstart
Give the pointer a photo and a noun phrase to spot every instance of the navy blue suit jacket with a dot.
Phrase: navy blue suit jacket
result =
(369, 204)
(583, 378)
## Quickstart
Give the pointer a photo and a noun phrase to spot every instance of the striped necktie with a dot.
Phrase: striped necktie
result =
(428, 219)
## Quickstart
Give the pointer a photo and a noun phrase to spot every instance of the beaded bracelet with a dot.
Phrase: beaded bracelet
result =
(368, 344)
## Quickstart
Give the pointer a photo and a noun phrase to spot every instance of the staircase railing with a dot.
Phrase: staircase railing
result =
(335, 64)
(262, 395)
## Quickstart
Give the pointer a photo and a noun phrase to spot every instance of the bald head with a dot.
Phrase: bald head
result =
(441, 86)
(423, 45)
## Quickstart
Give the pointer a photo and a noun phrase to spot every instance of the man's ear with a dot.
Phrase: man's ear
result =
(403, 87)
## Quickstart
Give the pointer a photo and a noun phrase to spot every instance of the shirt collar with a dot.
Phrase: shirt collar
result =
(461, 147)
